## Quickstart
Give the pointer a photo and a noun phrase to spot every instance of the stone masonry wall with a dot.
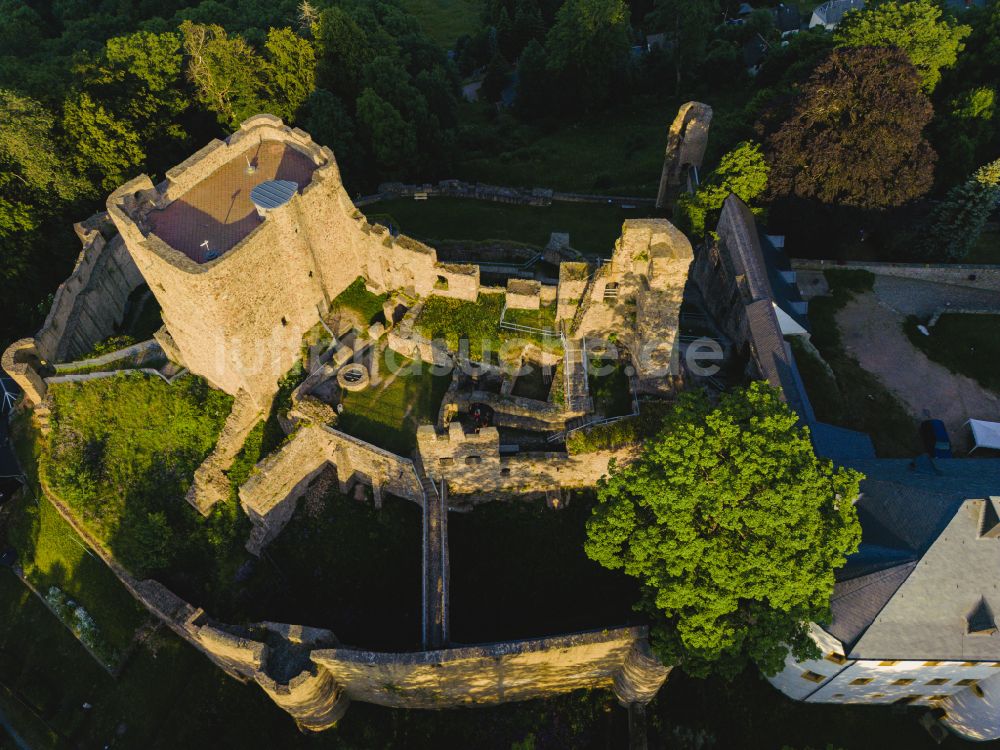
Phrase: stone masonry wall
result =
(497, 673)
(270, 495)
(90, 304)
(238, 320)
(471, 463)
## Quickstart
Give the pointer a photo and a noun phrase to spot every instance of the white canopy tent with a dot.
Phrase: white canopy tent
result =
(984, 434)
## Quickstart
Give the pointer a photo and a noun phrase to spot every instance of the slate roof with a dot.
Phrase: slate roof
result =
(923, 583)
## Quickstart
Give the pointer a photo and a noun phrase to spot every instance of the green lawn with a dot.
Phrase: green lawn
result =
(452, 320)
(965, 344)
(593, 228)
(358, 299)
(986, 250)
(445, 21)
(852, 397)
(388, 414)
(122, 453)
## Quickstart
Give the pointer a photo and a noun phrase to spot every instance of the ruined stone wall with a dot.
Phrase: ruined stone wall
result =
(648, 272)
(497, 673)
(238, 320)
(90, 304)
(270, 494)
(686, 144)
(523, 294)
(959, 274)
(471, 464)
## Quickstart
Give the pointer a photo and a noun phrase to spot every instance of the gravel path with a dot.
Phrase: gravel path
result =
(872, 333)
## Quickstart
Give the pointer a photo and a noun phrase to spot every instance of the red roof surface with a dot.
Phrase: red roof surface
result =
(218, 209)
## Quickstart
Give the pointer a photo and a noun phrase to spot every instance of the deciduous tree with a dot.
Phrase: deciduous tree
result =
(733, 526)
(107, 149)
(957, 223)
(588, 50)
(930, 41)
(856, 135)
(742, 171)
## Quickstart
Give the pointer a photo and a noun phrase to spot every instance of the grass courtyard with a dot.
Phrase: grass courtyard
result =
(966, 344)
(388, 414)
(593, 228)
(357, 299)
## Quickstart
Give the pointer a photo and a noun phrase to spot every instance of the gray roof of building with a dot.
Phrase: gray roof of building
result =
(923, 569)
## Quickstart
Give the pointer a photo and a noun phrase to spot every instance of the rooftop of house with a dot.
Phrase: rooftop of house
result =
(923, 584)
(218, 210)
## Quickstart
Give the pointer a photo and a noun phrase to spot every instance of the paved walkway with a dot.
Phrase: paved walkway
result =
(872, 333)
(924, 298)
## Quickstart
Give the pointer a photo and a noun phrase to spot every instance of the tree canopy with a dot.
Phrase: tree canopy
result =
(959, 220)
(855, 137)
(930, 41)
(733, 526)
(742, 171)
(588, 49)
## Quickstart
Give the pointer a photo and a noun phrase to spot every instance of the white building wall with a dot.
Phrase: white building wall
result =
(976, 714)
(927, 682)
(968, 692)
(799, 679)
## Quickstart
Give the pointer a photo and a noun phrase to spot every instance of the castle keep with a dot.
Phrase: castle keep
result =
(238, 291)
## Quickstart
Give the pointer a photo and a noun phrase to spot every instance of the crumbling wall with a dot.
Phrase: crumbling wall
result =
(523, 294)
(637, 299)
(90, 304)
(270, 494)
(686, 143)
(471, 464)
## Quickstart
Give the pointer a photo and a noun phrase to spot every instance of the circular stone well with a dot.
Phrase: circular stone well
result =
(353, 377)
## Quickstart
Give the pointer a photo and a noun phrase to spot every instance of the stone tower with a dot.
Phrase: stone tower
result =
(239, 289)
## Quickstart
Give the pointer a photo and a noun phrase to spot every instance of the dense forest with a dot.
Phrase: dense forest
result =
(94, 92)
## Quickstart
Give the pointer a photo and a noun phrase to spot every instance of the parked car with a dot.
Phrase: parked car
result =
(935, 437)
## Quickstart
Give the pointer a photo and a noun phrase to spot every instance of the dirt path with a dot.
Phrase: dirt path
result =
(872, 333)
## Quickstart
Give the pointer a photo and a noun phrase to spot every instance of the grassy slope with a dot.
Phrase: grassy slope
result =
(617, 152)
(965, 344)
(51, 554)
(593, 228)
(124, 447)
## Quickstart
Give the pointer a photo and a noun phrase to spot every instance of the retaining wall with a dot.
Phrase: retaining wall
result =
(959, 274)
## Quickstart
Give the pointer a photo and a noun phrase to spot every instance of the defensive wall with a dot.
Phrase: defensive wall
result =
(308, 673)
(270, 495)
(471, 464)
(687, 140)
(87, 308)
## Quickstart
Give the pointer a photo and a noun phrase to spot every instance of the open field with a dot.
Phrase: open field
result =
(593, 228)
(444, 21)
